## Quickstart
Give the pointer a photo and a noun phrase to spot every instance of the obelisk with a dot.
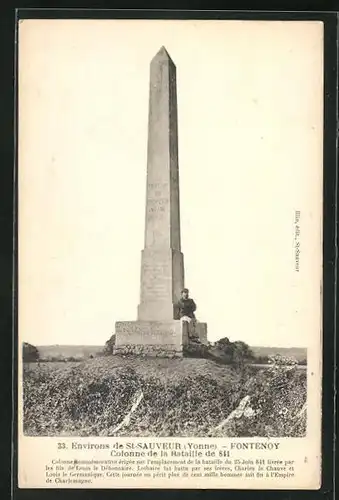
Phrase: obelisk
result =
(162, 268)
(158, 331)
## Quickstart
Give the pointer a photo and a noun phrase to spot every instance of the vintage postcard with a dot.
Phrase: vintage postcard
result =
(170, 179)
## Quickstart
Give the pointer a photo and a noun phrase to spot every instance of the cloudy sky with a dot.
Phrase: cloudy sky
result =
(250, 155)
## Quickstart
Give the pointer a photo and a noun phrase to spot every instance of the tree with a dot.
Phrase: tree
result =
(241, 352)
(222, 343)
(237, 352)
(29, 352)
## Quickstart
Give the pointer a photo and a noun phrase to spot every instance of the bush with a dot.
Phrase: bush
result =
(29, 353)
(109, 345)
(236, 353)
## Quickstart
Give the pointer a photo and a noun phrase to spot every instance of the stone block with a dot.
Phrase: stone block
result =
(149, 337)
(156, 338)
(201, 329)
(196, 330)
(161, 284)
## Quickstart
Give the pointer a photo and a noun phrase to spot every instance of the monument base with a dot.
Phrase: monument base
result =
(157, 338)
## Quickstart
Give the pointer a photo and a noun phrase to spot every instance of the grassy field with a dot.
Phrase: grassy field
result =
(67, 351)
(78, 351)
(299, 353)
(115, 396)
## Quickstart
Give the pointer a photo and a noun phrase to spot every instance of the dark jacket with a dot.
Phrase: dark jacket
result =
(186, 307)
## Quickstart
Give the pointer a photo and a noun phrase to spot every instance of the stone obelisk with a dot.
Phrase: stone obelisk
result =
(157, 331)
(162, 268)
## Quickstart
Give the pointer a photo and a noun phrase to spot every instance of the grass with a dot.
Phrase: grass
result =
(162, 397)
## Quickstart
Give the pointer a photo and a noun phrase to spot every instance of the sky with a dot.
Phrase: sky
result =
(250, 156)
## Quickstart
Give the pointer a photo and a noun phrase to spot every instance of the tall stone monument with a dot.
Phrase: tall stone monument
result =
(158, 330)
(162, 268)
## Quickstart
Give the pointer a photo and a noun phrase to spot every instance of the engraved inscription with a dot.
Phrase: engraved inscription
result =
(158, 201)
(157, 185)
(152, 210)
(156, 281)
(147, 333)
(157, 206)
(156, 270)
(147, 329)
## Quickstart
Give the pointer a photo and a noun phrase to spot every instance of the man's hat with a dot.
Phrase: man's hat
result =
(184, 290)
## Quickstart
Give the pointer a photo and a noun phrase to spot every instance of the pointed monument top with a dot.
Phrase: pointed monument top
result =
(162, 55)
(163, 51)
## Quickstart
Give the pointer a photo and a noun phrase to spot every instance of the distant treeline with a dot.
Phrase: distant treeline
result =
(263, 360)
(224, 350)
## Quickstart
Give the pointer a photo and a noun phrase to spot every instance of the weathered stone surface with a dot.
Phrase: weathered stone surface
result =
(159, 286)
(158, 331)
(196, 330)
(158, 351)
(162, 267)
(160, 338)
(202, 332)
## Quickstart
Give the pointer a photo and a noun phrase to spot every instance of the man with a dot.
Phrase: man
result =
(186, 309)
(186, 306)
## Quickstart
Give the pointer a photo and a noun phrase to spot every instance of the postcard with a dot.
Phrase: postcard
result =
(170, 180)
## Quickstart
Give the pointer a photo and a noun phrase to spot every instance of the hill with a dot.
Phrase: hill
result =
(116, 396)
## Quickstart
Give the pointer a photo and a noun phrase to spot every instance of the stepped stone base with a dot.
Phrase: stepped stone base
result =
(157, 338)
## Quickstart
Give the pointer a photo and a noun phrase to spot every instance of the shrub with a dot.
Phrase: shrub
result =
(223, 343)
(109, 345)
(236, 353)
